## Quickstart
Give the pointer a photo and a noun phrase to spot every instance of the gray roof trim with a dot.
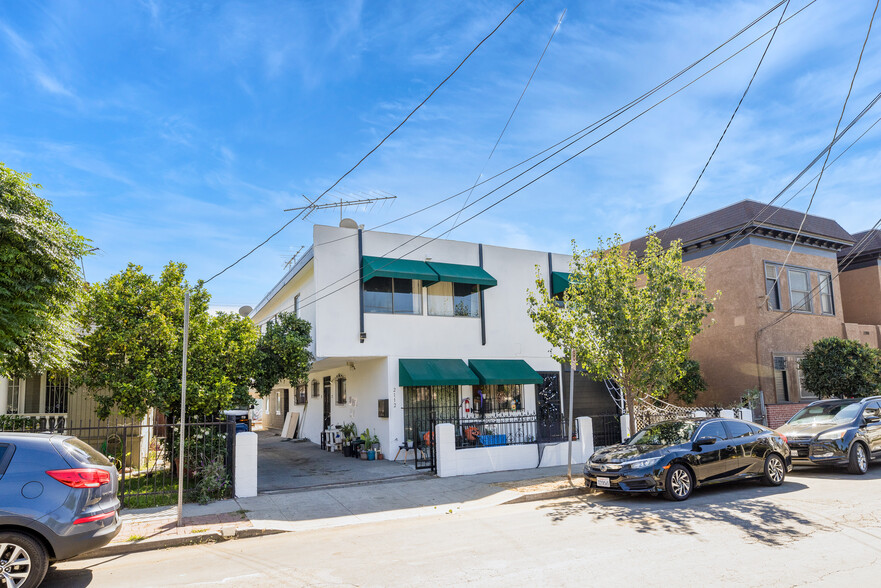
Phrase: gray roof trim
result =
(290, 275)
(869, 254)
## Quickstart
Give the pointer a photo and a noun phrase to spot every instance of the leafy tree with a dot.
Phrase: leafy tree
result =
(629, 318)
(283, 353)
(841, 368)
(690, 384)
(40, 280)
(131, 355)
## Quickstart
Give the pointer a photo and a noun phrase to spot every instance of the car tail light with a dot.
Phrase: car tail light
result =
(94, 518)
(81, 477)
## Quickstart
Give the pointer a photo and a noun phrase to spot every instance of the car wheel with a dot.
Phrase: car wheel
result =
(23, 561)
(858, 461)
(775, 470)
(679, 483)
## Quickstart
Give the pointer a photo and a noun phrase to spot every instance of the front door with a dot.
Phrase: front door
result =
(327, 393)
(708, 462)
(550, 417)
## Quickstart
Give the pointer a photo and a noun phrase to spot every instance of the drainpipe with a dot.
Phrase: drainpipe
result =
(361, 334)
(480, 296)
(550, 274)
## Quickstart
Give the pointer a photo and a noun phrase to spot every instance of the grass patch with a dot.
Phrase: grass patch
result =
(154, 490)
(134, 538)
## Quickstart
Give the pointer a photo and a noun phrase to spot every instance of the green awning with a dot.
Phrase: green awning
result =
(504, 371)
(463, 274)
(435, 372)
(559, 282)
(389, 267)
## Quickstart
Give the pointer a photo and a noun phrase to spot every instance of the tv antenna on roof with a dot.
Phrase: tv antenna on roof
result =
(293, 258)
(313, 206)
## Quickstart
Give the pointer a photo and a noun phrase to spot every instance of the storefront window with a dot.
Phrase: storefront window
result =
(497, 398)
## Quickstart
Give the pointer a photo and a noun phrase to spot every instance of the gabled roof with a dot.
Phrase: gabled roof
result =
(759, 219)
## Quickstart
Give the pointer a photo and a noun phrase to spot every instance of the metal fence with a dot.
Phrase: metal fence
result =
(496, 429)
(146, 455)
(606, 429)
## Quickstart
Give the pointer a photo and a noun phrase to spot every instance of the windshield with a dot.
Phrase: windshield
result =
(843, 412)
(667, 433)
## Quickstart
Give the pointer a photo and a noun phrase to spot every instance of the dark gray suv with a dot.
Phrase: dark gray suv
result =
(57, 500)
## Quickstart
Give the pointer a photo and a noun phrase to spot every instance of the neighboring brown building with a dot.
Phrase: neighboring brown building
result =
(743, 257)
(860, 281)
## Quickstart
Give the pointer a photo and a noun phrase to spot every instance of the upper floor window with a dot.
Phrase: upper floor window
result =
(453, 299)
(827, 305)
(393, 296)
(772, 285)
(800, 290)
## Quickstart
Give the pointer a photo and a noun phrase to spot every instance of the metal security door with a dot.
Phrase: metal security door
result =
(550, 417)
(424, 408)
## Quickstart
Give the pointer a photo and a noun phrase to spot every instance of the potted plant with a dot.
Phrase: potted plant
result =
(377, 447)
(366, 439)
(349, 431)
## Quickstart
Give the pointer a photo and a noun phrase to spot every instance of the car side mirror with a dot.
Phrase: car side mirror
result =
(873, 419)
(704, 441)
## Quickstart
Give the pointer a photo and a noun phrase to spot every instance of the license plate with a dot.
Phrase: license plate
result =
(603, 483)
(794, 453)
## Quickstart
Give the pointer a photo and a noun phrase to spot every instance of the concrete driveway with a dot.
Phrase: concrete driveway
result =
(286, 464)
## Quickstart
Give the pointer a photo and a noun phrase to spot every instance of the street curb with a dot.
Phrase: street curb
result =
(551, 494)
(196, 539)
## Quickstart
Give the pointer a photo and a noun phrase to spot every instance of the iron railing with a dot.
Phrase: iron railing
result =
(146, 454)
(496, 429)
(606, 429)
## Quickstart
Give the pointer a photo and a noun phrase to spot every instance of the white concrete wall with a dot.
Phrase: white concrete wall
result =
(479, 460)
(246, 465)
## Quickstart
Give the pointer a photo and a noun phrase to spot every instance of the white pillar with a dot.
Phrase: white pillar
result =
(246, 465)
(445, 450)
(4, 394)
(585, 436)
(625, 426)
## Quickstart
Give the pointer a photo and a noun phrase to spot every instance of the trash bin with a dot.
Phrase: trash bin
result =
(240, 418)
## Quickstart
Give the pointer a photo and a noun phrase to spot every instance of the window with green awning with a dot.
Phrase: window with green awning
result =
(504, 371)
(559, 282)
(389, 267)
(435, 372)
(463, 274)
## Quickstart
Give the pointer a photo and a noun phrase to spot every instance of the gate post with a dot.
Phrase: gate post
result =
(231, 453)
(245, 468)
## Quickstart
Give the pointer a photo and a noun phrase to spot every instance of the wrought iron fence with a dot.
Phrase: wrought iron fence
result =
(496, 429)
(606, 429)
(146, 455)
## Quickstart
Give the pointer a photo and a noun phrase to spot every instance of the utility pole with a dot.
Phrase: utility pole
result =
(571, 396)
(183, 413)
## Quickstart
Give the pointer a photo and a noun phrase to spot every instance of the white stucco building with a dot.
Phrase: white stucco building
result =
(408, 328)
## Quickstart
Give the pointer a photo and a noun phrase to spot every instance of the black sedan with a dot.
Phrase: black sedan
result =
(675, 457)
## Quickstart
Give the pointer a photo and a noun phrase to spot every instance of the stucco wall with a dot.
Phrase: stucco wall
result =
(727, 350)
(861, 295)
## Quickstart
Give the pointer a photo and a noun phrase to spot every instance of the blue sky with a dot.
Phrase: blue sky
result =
(181, 130)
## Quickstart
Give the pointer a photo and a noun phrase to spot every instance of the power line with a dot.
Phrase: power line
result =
(578, 135)
(733, 114)
(360, 161)
(412, 112)
(511, 116)
(317, 295)
(829, 152)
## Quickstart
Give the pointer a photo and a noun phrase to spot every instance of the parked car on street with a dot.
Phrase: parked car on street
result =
(675, 457)
(836, 432)
(57, 500)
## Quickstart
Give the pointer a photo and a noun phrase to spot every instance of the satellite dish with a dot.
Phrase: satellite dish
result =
(245, 310)
(348, 223)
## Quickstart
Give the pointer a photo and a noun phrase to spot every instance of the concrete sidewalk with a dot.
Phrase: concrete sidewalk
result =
(335, 506)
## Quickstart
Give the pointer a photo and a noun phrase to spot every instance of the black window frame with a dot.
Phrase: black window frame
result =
(341, 386)
(730, 423)
(700, 432)
(415, 290)
(6, 456)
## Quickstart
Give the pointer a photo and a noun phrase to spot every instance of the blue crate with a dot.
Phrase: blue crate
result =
(490, 440)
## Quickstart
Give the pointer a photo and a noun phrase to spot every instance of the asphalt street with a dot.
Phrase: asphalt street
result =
(822, 527)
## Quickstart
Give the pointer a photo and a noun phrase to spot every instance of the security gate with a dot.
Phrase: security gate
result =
(550, 417)
(424, 408)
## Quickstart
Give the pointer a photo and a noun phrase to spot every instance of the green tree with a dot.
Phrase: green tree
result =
(629, 318)
(131, 356)
(690, 384)
(283, 353)
(40, 280)
(841, 368)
